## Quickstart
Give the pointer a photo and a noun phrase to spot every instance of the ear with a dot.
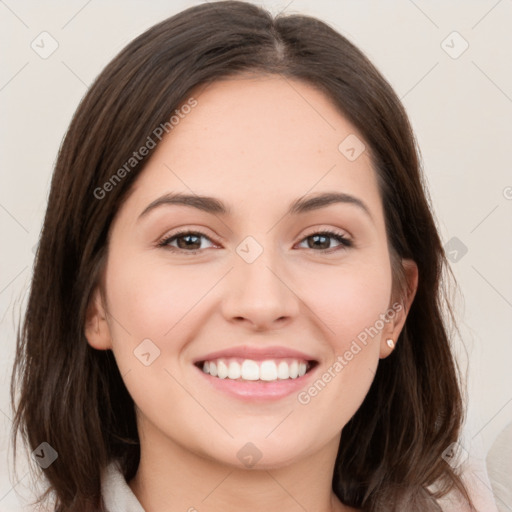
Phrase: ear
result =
(97, 330)
(398, 310)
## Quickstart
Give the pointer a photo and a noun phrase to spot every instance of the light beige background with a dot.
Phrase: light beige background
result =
(460, 108)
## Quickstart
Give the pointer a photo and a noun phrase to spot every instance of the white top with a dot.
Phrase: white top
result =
(499, 466)
(117, 495)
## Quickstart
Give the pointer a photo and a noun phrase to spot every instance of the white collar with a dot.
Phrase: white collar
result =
(116, 493)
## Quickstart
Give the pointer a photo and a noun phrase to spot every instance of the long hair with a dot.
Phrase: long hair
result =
(73, 397)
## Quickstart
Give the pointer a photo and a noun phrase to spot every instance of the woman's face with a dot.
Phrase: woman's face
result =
(256, 288)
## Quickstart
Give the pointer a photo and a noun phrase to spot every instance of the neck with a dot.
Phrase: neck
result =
(171, 475)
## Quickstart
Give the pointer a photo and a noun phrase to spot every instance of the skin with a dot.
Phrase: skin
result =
(257, 143)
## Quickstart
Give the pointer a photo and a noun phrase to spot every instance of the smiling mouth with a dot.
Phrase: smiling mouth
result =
(250, 370)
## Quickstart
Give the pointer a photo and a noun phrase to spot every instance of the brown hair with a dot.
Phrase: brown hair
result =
(73, 397)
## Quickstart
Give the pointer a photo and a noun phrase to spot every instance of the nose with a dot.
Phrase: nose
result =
(260, 294)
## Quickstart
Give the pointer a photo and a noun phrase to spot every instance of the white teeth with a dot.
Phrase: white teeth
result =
(268, 370)
(234, 370)
(293, 369)
(222, 370)
(248, 369)
(283, 371)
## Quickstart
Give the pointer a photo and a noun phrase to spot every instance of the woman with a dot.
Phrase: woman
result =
(236, 301)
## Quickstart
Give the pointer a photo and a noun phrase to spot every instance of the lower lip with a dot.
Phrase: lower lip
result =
(258, 390)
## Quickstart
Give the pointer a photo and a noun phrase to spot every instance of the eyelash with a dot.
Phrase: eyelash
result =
(339, 237)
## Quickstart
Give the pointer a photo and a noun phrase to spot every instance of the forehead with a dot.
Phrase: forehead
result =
(258, 138)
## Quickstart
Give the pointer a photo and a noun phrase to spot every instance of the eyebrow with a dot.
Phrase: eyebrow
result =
(217, 207)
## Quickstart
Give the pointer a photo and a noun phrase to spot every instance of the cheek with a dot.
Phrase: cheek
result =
(351, 303)
(349, 300)
(154, 301)
(150, 299)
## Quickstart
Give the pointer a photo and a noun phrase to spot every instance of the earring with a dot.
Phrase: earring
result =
(390, 343)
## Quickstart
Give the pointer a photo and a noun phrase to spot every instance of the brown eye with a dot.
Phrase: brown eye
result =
(322, 240)
(186, 241)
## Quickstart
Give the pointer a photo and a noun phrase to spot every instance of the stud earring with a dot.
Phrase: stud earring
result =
(390, 343)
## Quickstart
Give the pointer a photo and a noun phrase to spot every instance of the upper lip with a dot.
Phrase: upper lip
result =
(256, 353)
